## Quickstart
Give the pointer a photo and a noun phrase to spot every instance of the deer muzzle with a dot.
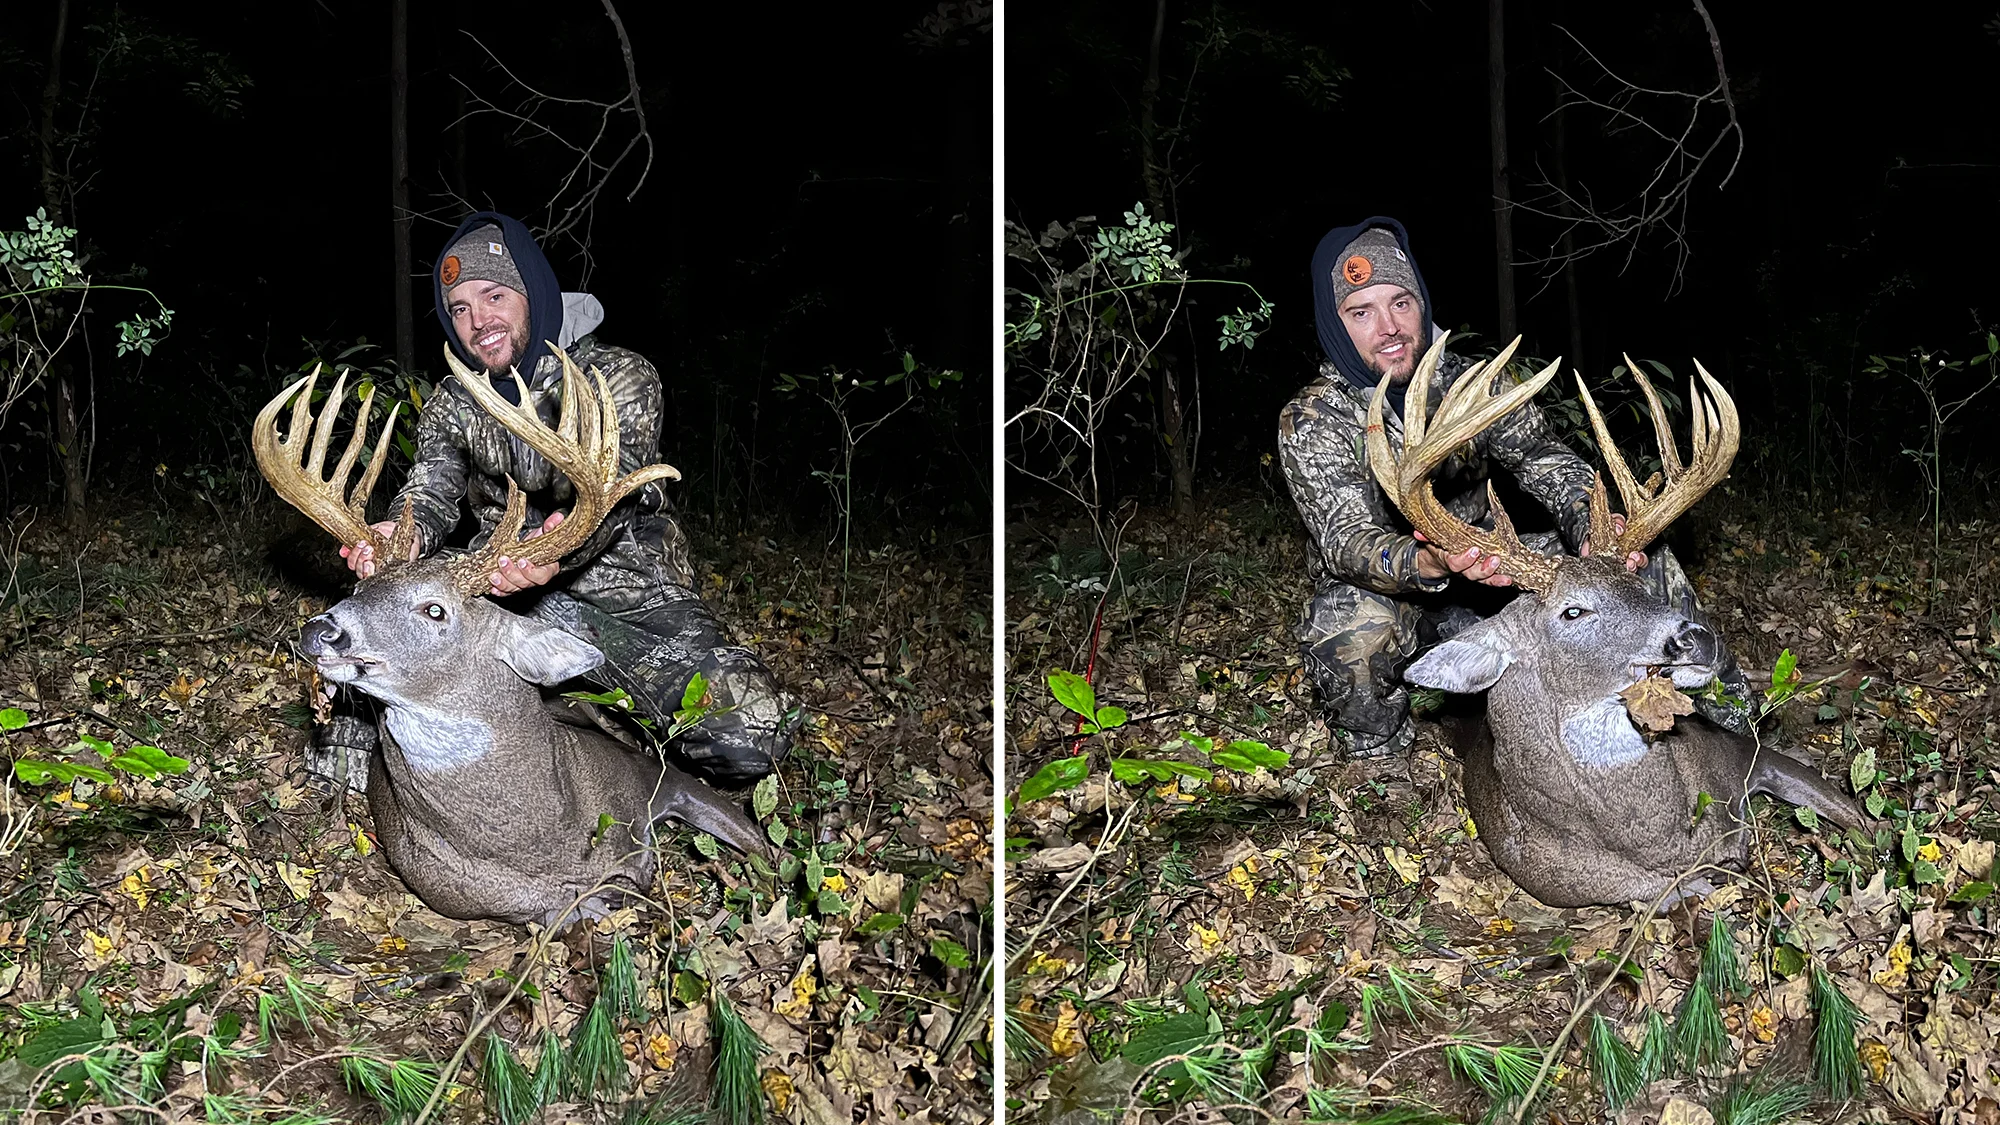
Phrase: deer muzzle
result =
(330, 646)
(1691, 653)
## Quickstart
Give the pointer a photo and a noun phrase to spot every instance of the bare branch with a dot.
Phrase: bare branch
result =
(1681, 124)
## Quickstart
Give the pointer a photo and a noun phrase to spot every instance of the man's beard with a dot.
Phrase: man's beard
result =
(1373, 362)
(517, 348)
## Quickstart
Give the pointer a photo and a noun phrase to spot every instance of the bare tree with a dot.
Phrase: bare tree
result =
(596, 139)
(1691, 132)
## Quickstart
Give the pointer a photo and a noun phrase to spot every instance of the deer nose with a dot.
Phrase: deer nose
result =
(1692, 644)
(322, 636)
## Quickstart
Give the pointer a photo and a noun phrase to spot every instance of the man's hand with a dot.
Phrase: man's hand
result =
(1633, 561)
(515, 575)
(361, 556)
(1470, 564)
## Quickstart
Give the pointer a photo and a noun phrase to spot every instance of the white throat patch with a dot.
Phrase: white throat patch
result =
(1602, 735)
(437, 740)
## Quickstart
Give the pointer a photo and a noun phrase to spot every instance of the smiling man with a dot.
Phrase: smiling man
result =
(1379, 592)
(500, 304)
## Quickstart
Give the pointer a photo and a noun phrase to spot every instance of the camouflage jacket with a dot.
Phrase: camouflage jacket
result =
(1357, 536)
(463, 453)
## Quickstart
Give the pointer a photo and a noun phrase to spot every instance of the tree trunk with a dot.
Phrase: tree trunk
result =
(399, 177)
(1177, 437)
(1503, 200)
(51, 91)
(70, 446)
(68, 432)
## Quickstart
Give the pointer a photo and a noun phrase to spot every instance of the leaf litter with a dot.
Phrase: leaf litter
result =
(1329, 946)
(320, 985)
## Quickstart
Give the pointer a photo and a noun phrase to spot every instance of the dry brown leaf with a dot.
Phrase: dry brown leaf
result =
(1654, 702)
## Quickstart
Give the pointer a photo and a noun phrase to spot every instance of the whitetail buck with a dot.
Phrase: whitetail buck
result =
(1571, 800)
(485, 804)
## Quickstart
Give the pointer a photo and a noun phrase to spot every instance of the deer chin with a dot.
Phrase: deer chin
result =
(1683, 675)
(1602, 736)
(342, 669)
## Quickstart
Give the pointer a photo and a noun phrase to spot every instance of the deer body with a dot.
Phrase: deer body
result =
(1574, 803)
(485, 804)
(1571, 800)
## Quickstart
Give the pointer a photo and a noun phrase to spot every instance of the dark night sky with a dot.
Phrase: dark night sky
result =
(818, 197)
(1862, 217)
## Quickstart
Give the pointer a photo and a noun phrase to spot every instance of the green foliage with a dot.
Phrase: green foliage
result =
(1698, 1030)
(400, 1086)
(1718, 961)
(1656, 1050)
(598, 1063)
(295, 1001)
(1503, 1073)
(1613, 1063)
(1836, 1062)
(149, 762)
(1756, 1102)
(510, 1093)
(1075, 693)
(736, 1098)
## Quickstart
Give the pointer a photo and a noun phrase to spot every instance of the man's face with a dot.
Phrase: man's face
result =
(1385, 322)
(491, 321)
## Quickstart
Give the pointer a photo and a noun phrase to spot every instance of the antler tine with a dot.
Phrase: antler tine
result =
(1716, 433)
(301, 485)
(1630, 493)
(1468, 409)
(583, 446)
(1663, 431)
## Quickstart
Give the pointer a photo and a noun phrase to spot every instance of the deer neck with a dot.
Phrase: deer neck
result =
(467, 727)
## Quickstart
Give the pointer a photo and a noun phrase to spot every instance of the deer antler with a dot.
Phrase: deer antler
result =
(301, 485)
(583, 446)
(1651, 506)
(1468, 409)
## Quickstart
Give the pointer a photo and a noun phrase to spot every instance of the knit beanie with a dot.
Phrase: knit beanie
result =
(481, 255)
(1373, 258)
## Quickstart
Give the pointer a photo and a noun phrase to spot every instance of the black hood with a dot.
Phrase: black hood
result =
(1326, 314)
(545, 299)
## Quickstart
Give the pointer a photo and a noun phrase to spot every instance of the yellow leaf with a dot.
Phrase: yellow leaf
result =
(778, 1084)
(803, 988)
(1764, 1024)
(834, 882)
(299, 879)
(661, 1049)
(1209, 940)
(1876, 1056)
(1239, 877)
(392, 943)
(99, 944)
(362, 844)
(138, 886)
(1930, 852)
(1407, 864)
(1067, 1039)
(1500, 927)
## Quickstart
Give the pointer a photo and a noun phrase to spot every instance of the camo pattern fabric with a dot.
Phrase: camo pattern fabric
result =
(1371, 610)
(635, 569)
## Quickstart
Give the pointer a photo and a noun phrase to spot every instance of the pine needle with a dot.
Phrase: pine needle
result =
(401, 1087)
(510, 1092)
(621, 983)
(737, 1097)
(1613, 1063)
(1656, 1051)
(597, 1059)
(1411, 994)
(1754, 1103)
(1503, 1073)
(1718, 962)
(552, 1073)
(1836, 1062)
(1698, 1028)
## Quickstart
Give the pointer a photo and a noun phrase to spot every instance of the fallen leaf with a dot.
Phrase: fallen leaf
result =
(1653, 703)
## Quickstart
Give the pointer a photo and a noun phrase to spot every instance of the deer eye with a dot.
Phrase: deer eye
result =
(433, 611)
(1574, 612)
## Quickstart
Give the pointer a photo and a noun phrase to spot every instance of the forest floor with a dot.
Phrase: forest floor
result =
(1306, 943)
(227, 944)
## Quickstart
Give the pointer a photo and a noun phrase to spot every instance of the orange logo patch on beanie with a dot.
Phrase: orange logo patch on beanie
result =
(1356, 269)
(448, 271)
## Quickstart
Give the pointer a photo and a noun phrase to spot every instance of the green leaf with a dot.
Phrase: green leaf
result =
(1975, 891)
(1260, 753)
(697, 691)
(149, 762)
(1807, 818)
(830, 902)
(706, 845)
(1205, 745)
(879, 924)
(71, 1036)
(104, 749)
(1785, 672)
(1137, 771)
(951, 953)
(815, 871)
(1861, 772)
(778, 833)
(689, 988)
(12, 718)
(1109, 717)
(764, 798)
(604, 823)
(1063, 773)
(1701, 802)
(1925, 873)
(1073, 692)
(1178, 1035)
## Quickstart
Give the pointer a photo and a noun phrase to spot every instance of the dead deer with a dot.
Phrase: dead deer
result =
(485, 804)
(1573, 802)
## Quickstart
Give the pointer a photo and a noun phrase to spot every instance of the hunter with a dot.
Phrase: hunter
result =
(1379, 592)
(500, 304)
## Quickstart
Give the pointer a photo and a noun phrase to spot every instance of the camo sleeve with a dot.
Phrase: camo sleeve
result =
(437, 478)
(635, 389)
(1326, 467)
(1546, 469)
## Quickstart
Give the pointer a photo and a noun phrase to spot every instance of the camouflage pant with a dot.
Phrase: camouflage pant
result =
(1355, 644)
(656, 634)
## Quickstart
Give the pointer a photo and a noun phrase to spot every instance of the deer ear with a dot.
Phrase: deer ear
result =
(1469, 662)
(543, 654)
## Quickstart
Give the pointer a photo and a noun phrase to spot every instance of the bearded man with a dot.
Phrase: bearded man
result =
(500, 304)
(1379, 591)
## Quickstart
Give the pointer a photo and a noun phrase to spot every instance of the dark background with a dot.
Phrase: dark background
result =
(817, 201)
(1860, 220)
